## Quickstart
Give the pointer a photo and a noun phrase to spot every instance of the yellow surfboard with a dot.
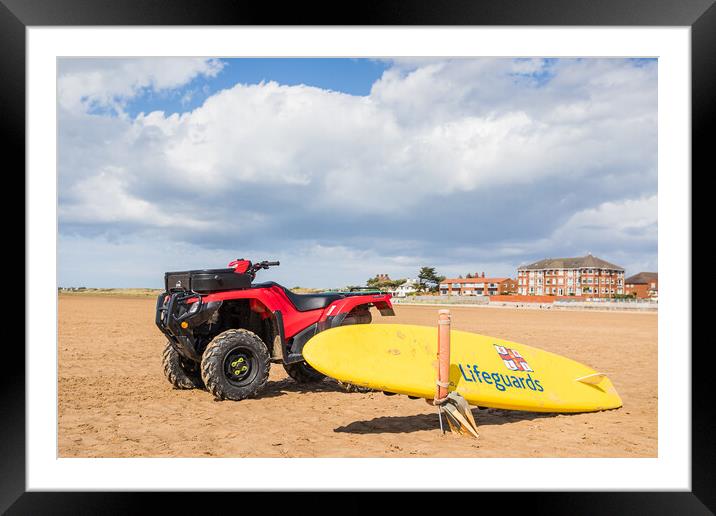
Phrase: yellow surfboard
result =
(486, 371)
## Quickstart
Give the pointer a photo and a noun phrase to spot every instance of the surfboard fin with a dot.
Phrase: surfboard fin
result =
(595, 380)
(458, 415)
(592, 379)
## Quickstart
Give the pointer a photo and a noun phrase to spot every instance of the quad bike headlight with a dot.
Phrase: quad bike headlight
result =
(194, 308)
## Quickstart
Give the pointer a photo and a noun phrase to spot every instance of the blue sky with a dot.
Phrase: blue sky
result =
(344, 168)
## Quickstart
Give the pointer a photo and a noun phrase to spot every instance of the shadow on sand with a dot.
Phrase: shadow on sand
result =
(419, 422)
(281, 387)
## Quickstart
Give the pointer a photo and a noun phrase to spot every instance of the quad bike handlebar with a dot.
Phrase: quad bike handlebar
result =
(263, 265)
(255, 267)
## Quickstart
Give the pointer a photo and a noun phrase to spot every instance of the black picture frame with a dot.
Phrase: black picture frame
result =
(16, 15)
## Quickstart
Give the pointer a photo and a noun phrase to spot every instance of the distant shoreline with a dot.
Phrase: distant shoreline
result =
(131, 292)
(137, 292)
(536, 306)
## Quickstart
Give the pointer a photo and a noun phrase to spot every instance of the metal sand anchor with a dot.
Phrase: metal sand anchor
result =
(456, 409)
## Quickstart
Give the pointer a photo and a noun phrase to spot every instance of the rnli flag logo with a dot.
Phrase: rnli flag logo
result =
(512, 359)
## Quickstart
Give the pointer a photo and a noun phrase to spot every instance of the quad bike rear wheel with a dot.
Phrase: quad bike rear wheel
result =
(301, 372)
(351, 387)
(359, 315)
(235, 365)
(181, 373)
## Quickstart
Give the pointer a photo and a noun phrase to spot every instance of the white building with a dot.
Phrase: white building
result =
(406, 288)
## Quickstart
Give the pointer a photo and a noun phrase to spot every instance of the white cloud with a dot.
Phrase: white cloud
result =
(83, 84)
(625, 222)
(142, 258)
(104, 198)
(432, 133)
(626, 230)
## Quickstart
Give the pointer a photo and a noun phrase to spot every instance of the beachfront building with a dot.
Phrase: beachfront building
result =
(644, 285)
(477, 286)
(586, 276)
(409, 287)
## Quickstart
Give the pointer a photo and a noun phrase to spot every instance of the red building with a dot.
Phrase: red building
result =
(586, 276)
(477, 286)
(644, 285)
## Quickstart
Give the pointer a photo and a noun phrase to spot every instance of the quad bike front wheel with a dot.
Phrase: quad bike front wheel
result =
(301, 372)
(235, 365)
(181, 373)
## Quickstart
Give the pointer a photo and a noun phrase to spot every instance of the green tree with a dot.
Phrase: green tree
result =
(372, 282)
(384, 284)
(428, 279)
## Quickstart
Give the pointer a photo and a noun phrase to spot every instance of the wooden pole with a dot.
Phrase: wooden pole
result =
(443, 354)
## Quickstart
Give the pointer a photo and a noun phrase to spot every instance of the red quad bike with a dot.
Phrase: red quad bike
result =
(224, 330)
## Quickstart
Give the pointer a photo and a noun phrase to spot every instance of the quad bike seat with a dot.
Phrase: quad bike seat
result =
(305, 302)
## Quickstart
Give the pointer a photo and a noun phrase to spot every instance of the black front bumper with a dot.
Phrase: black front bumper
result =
(173, 310)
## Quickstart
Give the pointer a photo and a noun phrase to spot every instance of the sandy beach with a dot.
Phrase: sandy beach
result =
(115, 402)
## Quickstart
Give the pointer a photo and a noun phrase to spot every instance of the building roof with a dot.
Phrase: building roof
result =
(642, 278)
(474, 280)
(571, 263)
